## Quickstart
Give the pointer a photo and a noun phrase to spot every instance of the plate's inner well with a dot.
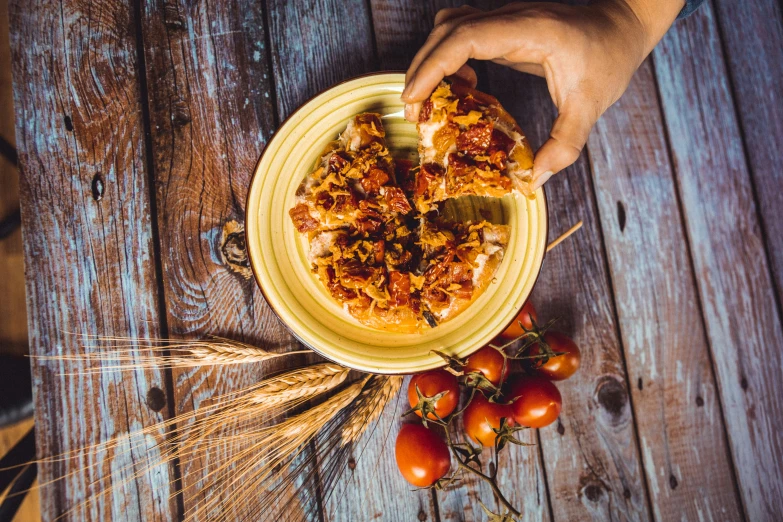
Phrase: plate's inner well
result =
(279, 253)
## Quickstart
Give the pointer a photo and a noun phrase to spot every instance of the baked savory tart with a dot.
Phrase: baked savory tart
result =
(389, 266)
(468, 145)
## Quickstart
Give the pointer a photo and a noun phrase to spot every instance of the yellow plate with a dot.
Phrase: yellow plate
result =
(278, 252)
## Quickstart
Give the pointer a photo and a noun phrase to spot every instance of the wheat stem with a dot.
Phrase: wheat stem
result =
(370, 405)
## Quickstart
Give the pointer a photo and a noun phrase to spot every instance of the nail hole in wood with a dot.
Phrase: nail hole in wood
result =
(156, 399)
(699, 401)
(560, 427)
(180, 113)
(640, 383)
(621, 215)
(627, 493)
(68, 123)
(673, 483)
(744, 383)
(351, 463)
(593, 492)
(612, 397)
(422, 516)
(97, 187)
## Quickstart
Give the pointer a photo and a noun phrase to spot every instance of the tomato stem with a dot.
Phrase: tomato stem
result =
(489, 479)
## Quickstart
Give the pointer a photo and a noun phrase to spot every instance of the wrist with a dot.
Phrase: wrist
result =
(650, 18)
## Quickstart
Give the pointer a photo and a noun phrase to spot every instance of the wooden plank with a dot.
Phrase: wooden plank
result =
(6, 88)
(372, 488)
(309, 56)
(89, 259)
(676, 404)
(591, 457)
(314, 47)
(401, 28)
(13, 319)
(211, 113)
(727, 245)
(752, 35)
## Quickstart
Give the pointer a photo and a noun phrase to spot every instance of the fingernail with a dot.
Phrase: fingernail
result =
(541, 179)
(408, 88)
(409, 112)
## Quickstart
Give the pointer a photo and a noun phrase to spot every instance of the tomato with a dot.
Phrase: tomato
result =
(537, 401)
(422, 457)
(431, 384)
(561, 367)
(524, 316)
(489, 362)
(481, 416)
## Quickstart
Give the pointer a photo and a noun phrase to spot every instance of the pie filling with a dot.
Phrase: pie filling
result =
(377, 242)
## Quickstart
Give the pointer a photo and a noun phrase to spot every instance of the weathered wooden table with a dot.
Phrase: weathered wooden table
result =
(139, 125)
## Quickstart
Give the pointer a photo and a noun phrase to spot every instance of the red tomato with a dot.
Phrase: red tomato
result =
(561, 367)
(481, 416)
(422, 457)
(431, 384)
(524, 316)
(489, 362)
(537, 403)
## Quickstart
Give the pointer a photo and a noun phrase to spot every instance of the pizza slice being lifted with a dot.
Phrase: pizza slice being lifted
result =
(468, 145)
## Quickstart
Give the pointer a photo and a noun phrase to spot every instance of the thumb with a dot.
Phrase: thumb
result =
(566, 141)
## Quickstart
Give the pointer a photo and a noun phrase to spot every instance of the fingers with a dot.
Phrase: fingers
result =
(479, 37)
(445, 21)
(468, 75)
(566, 140)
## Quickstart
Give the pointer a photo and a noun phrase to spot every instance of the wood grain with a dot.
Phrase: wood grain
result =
(211, 113)
(372, 488)
(735, 287)
(401, 27)
(676, 404)
(89, 260)
(308, 57)
(591, 456)
(13, 319)
(316, 46)
(752, 37)
(6, 88)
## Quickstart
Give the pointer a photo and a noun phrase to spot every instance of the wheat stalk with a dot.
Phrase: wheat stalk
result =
(370, 404)
(127, 354)
(271, 446)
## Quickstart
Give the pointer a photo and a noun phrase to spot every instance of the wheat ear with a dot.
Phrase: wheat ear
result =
(297, 385)
(370, 404)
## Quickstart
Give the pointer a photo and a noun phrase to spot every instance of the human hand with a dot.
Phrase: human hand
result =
(587, 54)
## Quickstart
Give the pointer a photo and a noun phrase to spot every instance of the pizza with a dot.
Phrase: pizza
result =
(374, 243)
(468, 145)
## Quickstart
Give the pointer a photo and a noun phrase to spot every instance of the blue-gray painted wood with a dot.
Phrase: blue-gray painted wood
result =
(675, 398)
(736, 289)
(309, 56)
(591, 457)
(211, 112)
(752, 34)
(90, 262)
